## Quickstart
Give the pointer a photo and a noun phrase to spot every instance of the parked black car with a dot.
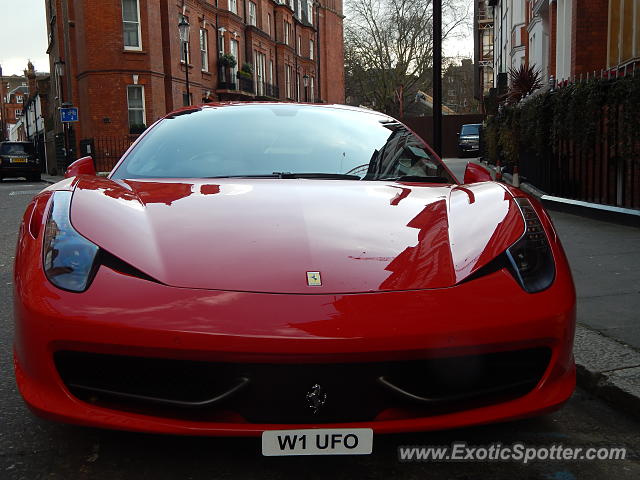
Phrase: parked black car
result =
(19, 159)
(469, 139)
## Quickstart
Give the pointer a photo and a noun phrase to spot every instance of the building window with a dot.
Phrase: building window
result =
(252, 14)
(18, 99)
(271, 72)
(311, 49)
(234, 51)
(312, 89)
(204, 50)
(187, 99)
(310, 11)
(184, 46)
(299, 47)
(287, 78)
(221, 42)
(131, 24)
(268, 30)
(233, 6)
(298, 87)
(299, 9)
(135, 104)
(259, 68)
(287, 29)
(18, 112)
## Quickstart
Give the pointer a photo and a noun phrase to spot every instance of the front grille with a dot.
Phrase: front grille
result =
(277, 393)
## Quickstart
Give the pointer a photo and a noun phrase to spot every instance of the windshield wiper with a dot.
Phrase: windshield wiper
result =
(416, 179)
(310, 175)
(323, 176)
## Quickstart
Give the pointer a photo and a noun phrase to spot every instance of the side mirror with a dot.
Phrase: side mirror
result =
(476, 173)
(83, 166)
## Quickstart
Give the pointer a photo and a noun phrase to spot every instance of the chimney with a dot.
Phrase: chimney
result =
(30, 73)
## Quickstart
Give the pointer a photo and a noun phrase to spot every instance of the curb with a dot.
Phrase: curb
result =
(606, 213)
(608, 369)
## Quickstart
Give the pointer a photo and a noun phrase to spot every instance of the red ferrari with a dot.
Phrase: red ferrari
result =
(250, 268)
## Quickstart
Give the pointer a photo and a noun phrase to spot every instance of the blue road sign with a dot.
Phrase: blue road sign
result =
(69, 114)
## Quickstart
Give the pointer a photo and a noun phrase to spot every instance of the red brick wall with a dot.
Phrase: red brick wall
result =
(332, 52)
(589, 36)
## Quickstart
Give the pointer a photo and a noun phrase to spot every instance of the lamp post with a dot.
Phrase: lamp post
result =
(2, 134)
(437, 76)
(59, 67)
(183, 28)
(305, 82)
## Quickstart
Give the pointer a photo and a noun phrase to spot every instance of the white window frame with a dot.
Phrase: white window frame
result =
(233, 6)
(310, 11)
(268, 30)
(259, 67)
(236, 53)
(253, 14)
(132, 47)
(286, 32)
(311, 90)
(287, 77)
(299, 9)
(271, 72)
(311, 48)
(299, 49)
(186, 60)
(204, 52)
(144, 107)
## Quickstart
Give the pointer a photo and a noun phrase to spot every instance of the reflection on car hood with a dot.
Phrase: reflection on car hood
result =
(264, 235)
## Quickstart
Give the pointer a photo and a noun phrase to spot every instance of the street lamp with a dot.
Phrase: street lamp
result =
(183, 28)
(305, 82)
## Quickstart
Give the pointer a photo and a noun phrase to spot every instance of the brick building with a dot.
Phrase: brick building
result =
(457, 87)
(13, 91)
(122, 63)
(563, 39)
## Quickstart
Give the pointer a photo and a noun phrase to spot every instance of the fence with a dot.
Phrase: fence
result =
(581, 141)
(106, 151)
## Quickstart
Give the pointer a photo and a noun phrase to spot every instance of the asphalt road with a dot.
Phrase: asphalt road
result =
(33, 449)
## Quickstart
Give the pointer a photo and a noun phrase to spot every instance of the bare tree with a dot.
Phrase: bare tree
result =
(388, 49)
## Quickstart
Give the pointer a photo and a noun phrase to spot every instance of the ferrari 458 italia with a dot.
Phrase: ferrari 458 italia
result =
(248, 269)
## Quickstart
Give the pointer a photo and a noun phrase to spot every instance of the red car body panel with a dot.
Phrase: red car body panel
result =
(262, 235)
(228, 295)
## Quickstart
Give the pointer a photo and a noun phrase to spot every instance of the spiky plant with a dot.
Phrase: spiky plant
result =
(524, 81)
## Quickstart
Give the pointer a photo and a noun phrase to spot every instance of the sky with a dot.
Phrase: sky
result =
(23, 37)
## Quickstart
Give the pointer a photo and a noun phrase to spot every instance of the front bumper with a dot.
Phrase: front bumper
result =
(123, 315)
(18, 169)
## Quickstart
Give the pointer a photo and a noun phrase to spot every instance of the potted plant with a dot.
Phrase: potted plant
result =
(228, 60)
(246, 71)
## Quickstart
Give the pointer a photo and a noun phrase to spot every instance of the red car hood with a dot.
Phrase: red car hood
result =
(263, 235)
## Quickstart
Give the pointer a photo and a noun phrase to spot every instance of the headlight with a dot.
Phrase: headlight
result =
(530, 257)
(69, 259)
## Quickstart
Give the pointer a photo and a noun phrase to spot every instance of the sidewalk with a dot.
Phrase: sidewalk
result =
(51, 178)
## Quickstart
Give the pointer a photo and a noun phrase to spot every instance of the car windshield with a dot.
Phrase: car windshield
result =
(470, 130)
(10, 148)
(284, 141)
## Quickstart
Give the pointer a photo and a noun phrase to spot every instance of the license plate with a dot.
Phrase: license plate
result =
(331, 441)
(18, 160)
